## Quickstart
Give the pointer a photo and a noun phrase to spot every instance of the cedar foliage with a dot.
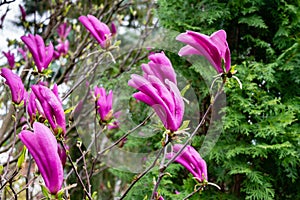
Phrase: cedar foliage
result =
(257, 155)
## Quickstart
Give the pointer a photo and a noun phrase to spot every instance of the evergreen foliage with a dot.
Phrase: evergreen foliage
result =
(257, 155)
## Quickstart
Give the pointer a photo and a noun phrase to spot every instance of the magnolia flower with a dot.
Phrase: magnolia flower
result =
(158, 197)
(62, 154)
(15, 84)
(99, 30)
(104, 103)
(23, 52)
(52, 107)
(63, 44)
(41, 54)
(158, 89)
(191, 160)
(63, 31)
(23, 12)
(214, 48)
(42, 145)
(113, 29)
(160, 67)
(115, 123)
(10, 58)
(62, 47)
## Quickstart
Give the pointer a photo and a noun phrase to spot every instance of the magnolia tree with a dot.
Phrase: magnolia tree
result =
(92, 95)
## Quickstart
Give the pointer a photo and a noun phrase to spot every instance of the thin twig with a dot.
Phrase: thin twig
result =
(142, 174)
(194, 192)
(126, 135)
(76, 172)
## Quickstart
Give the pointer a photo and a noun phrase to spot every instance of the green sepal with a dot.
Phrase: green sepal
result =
(69, 110)
(95, 195)
(59, 195)
(185, 125)
(185, 89)
(45, 192)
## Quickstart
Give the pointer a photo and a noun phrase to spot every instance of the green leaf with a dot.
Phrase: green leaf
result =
(45, 192)
(21, 157)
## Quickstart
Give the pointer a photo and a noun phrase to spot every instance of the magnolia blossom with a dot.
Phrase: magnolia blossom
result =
(63, 31)
(32, 107)
(63, 44)
(113, 29)
(158, 88)
(214, 48)
(99, 30)
(191, 160)
(61, 49)
(23, 52)
(42, 145)
(158, 197)
(51, 106)
(62, 154)
(104, 103)
(23, 12)
(10, 58)
(15, 84)
(41, 54)
(114, 123)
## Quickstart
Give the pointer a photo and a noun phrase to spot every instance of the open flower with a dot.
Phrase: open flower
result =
(10, 58)
(191, 160)
(99, 30)
(41, 54)
(15, 84)
(214, 48)
(104, 103)
(42, 145)
(158, 89)
(52, 107)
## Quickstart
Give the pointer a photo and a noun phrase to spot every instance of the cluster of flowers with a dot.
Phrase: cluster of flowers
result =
(44, 105)
(157, 88)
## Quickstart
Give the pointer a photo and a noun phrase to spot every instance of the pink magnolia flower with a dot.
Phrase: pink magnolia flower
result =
(62, 154)
(23, 52)
(115, 123)
(32, 107)
(42, 145)
(158, 197)
(41, 54)
(158, 88)
(52, 107)
(63, 31)
(62, 47)
(191, 160)
(214, 48)
(23, 12)
(99, 30)
(113, 29)
(15, 84)
(10, 58)
(159, 66)
(104, 103)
